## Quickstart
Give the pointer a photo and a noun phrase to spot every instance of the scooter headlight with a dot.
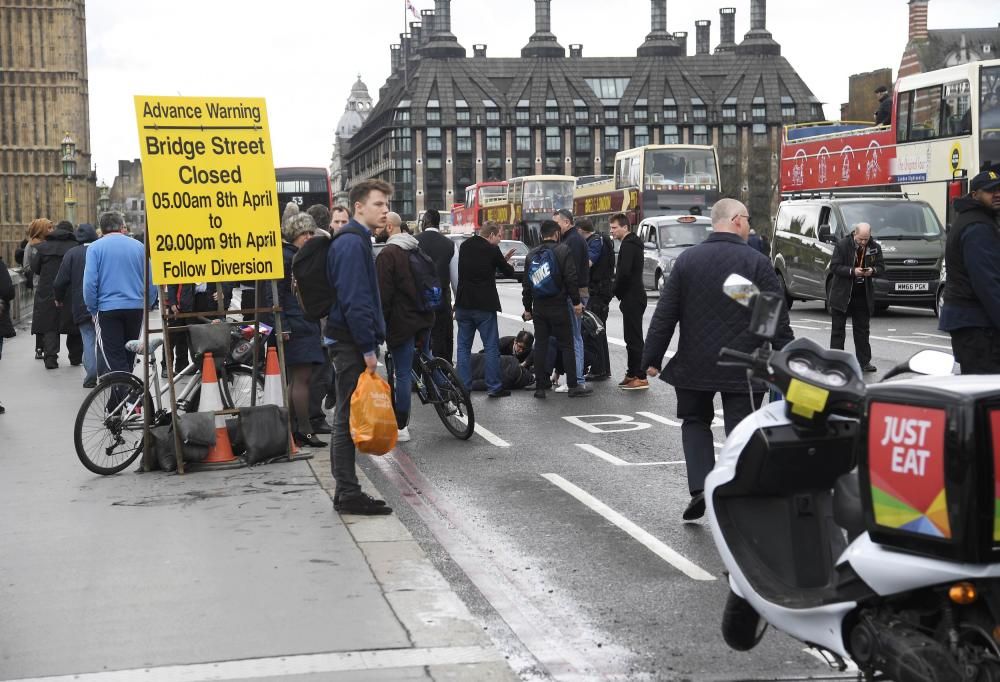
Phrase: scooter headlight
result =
(834, 378)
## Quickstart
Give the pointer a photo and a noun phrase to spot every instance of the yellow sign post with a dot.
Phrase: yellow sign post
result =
(210, 189)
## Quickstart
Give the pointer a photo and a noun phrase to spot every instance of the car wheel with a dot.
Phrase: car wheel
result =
(788, 299)
(939, 301)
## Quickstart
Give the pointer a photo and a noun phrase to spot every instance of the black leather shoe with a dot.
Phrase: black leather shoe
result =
(307, 439)
(540, 393)
(597, 377)
(580, 390)
(696, 508)
(869, 368)
(363, 505)
(90, 383)
(372, 500)
(503, 393)
(51, 363)
(321, 427)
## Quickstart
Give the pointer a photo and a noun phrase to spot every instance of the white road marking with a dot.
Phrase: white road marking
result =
(907, 307)
(657, 418)
(286, 666)
(803, 326)
(620, 462)
(654, 545)
(911, 343)
(486, 434)
(851, 667)
(933, 336)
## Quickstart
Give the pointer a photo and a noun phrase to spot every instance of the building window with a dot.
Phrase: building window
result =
(401, 141)
(463, 139)
(433, 116)
(582, 115)
(759, 111)
(612, 143)
(729, 135)
(582, 139)
(698, 109)
(759, 134)
(787, 108)
(640, 115)
(553, 141)
(523, 139)
(492, 139)
(641, 136)
(611, 115)
(700, 134)
(433, 139)
(608, 88)
(402, 116)
(729, 109)
(552, 115)
(462, 115)
(670, 113)
(671, 135)
(522, 116)
(522, 166)
(492, 115)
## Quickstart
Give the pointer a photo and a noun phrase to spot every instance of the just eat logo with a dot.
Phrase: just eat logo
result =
(907, 437)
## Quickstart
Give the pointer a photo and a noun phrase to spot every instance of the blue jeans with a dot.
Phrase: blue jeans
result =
(402, 361)
(89, 351)
(577, 343)
(485, 322)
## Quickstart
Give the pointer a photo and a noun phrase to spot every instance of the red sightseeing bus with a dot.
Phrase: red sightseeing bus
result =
(945, 126)
(470, 216)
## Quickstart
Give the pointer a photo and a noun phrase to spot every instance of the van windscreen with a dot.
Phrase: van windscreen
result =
(894, 220)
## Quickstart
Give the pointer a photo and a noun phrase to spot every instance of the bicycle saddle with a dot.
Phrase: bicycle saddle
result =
(135, 345)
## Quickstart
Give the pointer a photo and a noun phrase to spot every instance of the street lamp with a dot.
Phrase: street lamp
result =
(103, 198)
(69, 170)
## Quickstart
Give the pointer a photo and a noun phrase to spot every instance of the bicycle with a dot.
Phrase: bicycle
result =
(108, 431)
(437, 383)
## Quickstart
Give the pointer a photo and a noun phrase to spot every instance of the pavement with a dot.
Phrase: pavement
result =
(222, 575)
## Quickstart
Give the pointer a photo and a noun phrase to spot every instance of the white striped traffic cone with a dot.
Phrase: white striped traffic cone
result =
(211, 401)
(272, 387)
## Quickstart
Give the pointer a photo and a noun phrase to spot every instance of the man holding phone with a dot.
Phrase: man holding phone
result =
(857, 259)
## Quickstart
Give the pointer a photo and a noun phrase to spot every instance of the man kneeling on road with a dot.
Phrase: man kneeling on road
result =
(710, 321)
(549, 282)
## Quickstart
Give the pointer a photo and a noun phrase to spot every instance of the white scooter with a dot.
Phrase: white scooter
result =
(860, 519)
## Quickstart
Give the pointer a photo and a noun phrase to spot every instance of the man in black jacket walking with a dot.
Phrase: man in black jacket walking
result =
(440, 249)
(550, 280)
(971, 310)
(709, 320)
(630, 290)
(574, 241)
(601, 256)
(68, 288)
(477, 304)
(857, 259)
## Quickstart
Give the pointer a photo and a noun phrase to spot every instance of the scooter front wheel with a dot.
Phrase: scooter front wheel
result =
(739, 623)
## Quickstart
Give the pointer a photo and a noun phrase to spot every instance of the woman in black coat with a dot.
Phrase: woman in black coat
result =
(48, 318)
(6, 296)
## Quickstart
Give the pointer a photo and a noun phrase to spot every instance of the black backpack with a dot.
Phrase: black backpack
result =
(309, 282)
(425, 280)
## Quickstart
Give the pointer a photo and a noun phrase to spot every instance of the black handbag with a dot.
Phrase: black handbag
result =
(264, 431)
(210, 338)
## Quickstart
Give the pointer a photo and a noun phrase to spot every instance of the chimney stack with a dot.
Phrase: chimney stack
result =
(427, 23)
(758, 40)
(441, 43)
(918, 21)
(395, 58)
(576, 50)
(416, 40)
(682, 39)
(479, 50)
(702, 32)
(542, 42)
(727, 30)
(658, 43)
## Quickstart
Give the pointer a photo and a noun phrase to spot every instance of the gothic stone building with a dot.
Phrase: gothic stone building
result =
(43, 95)
(445, 120)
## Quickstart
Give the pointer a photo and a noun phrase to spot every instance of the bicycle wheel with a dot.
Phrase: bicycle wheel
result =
(236, 386)
(450, 399)
(108, 429)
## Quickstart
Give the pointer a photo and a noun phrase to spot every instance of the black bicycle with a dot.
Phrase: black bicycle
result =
(437, 383)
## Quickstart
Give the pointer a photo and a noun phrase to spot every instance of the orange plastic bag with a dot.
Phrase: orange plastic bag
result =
(373, 421)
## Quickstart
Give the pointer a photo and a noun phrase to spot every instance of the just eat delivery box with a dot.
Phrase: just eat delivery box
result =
(930, 453)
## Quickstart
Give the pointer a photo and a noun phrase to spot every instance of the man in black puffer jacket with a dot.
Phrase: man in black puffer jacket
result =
(856, 262)
(709, 320)
(971, 310)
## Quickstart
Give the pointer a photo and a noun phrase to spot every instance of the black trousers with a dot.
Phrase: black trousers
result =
(553, 322)
(74, 346)
(696, 409)
(860, 318)
(114, 328)
(595, 350)
(632, 312)
(178, 344)
(443, 334)
(319, 383)
(977, 350)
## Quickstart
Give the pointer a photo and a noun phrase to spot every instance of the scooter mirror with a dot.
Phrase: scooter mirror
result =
(932, 363)
(766, 314)
(740, 289)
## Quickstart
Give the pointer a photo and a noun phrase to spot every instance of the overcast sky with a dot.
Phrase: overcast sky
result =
(304, 55)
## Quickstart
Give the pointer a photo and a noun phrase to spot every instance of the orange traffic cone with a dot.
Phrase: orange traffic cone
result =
(211, 401)
(272, 387)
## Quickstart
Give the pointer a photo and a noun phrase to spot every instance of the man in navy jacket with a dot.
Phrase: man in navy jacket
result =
(354, 331)
(709, 320)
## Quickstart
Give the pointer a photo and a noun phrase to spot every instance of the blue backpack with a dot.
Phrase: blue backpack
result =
(425, 279)
(543, 273)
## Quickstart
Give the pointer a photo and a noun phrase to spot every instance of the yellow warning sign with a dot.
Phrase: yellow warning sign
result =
(210, 189)
(955, 157)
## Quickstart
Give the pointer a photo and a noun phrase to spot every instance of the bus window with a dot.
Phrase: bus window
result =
(680, 166)
(989, 116)
(903, 116)
(926, 119)
(956, 111)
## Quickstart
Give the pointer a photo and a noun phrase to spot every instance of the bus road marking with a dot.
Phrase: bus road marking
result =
(657, 547)
(620, 462)
(485, 433)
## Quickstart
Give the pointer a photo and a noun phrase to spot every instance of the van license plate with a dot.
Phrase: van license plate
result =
(912, 286)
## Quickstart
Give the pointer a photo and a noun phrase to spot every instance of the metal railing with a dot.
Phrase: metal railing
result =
(24, 297)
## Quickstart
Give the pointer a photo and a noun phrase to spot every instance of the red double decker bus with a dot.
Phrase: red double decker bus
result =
(470, 216)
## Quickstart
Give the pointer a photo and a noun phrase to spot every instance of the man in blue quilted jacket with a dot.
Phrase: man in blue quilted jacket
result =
(709, 321)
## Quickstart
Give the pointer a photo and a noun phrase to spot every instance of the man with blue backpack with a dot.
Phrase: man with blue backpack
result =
(550, 281)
